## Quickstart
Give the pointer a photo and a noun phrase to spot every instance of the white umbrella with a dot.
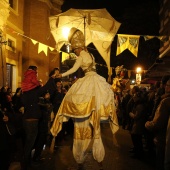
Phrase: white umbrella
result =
(98, 26)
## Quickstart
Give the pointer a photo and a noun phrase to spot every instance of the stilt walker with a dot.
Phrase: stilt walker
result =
(89, 100)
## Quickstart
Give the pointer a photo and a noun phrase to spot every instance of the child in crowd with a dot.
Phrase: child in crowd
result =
(30, 79)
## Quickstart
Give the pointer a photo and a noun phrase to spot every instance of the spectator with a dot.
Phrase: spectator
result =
(44, 126)
(130, 105)
(18, 123)
(6, 139)
(167, 148)
(159, 126)
(56, 101)
(159, 93)
(138, 115)
(125, 100)
(30, 79)
(32, 111)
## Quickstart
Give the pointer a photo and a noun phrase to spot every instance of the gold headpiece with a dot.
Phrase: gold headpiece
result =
(76, 38)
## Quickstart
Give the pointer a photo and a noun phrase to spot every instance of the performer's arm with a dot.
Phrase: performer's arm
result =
(74, 68)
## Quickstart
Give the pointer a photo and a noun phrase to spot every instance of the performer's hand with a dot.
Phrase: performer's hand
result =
(59, 76)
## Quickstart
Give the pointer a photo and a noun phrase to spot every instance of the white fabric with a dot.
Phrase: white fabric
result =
(83, 61)
(98, 26)
(80, 147)
(90, 85)
(82, 91)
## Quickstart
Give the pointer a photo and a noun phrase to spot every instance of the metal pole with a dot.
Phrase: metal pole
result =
(1, 56)
(85, 30)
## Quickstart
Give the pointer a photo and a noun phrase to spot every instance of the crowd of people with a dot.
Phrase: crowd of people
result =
(145, 113)
(26, 118)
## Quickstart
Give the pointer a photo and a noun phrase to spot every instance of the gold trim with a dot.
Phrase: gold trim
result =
(82, 133)
(79, 110)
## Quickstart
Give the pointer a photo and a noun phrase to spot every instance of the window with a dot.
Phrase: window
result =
(9, 75)
(11, 43)
(13, 5)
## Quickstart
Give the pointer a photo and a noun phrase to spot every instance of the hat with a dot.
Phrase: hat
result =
(76, 38)
(33, 68)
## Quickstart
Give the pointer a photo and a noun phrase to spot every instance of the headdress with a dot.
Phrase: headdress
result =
(118, 69)
(76, 38)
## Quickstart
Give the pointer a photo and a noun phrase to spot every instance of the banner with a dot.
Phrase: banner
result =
(122, 41)
(133, 44)
(130, 42)
(42, 47)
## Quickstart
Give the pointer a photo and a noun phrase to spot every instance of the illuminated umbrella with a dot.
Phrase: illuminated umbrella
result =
(98, 26)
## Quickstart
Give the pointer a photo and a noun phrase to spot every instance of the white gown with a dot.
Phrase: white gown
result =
(89, 100)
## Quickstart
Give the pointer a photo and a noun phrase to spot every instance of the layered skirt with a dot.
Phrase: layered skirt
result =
(89, 101)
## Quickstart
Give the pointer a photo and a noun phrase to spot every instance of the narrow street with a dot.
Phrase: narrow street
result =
(117, 155)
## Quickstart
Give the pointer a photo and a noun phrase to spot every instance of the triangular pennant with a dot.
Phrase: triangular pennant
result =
(42, 47)
(51, 48)
(148, 37)
(34, 41)
(162, 38)
(133, 44)
(64, 56)
(121, 43)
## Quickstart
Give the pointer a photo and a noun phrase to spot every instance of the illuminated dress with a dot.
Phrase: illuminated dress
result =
(89, 100)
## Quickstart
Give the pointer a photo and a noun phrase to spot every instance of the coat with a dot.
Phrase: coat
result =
(160, 121)
(139, 118)
(30, 99)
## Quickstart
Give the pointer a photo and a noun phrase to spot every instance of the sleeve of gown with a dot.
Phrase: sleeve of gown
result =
(74, 68)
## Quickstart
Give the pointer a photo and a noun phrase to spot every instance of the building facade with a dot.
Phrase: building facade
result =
(23, 26)
(164, 14)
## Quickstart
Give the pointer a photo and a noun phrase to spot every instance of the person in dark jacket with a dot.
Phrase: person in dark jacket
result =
(32, 115)
(44, 126)
(159, 126)
(167, 148)
(6, 139)
(138, 115)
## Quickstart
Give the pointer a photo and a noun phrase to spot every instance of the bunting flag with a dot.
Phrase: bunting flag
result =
(130, 42)
(51, 48)
(42, 47)
(133, 44)
(148, 37)
(122, 41)
(34, 41)
(162, 38)
(65, 56)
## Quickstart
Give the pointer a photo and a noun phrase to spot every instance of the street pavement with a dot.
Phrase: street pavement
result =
(117, 156)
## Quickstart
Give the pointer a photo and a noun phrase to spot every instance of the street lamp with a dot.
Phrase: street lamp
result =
(65, 32)
(138, 75)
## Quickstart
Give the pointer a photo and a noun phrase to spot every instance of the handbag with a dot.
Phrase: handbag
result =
(11, 129)
(9, 126)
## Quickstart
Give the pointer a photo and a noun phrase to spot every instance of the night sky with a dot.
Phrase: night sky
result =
(137, 17)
